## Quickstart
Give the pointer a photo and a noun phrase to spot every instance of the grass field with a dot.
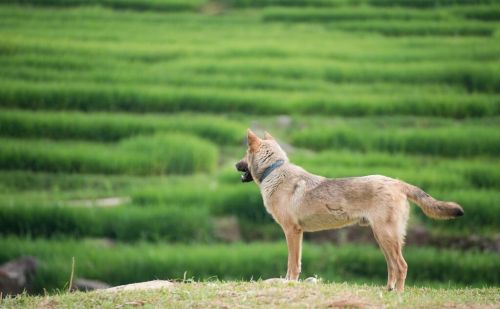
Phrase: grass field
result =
(147, 102)
(234, 294)
(141, 261)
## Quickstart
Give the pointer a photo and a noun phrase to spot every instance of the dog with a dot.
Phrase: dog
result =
(303, 202)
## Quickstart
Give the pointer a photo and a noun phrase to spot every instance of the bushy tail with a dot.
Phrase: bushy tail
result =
(430, 206)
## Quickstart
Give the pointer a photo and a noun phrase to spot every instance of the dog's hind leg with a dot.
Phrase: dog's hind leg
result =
(401, 234)
(389, 231)
(293, 236)
(403, 269)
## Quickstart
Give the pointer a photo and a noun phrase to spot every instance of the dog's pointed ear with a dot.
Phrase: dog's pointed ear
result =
(253, 140)
(268, 136)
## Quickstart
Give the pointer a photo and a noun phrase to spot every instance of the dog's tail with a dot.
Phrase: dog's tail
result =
(430, 206)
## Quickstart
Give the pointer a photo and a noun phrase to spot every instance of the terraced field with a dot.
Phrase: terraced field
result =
(146, 103)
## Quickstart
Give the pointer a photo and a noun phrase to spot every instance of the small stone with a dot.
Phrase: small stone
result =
(141, 286)
(82, 284)
(313, 280)
(276, 280)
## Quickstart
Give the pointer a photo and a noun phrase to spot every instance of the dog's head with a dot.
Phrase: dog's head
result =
(261, 153)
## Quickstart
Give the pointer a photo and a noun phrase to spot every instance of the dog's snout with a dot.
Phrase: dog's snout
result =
(241, 166)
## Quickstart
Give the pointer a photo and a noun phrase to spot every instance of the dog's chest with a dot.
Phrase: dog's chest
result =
(269, 204)
(276, 207)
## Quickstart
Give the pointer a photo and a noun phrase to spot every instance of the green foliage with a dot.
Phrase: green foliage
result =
(124, 223)
(149, 98)
(139, 5)
(454, 78)
(345, 13)
(451, 141)
(242, 200)
(17, 183)
(483, 175)
(81, 80)
(426, 28)
(156, 154)
(108, 127)
(334, 3)
(485, 13)
(428, 3)
(119, 264)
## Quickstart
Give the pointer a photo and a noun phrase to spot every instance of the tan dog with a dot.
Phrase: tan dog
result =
(302, 202)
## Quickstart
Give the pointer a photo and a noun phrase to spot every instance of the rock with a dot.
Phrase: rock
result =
(313, 280)
(276, 280)
(16, 276)
(148, 285)
(82, 284)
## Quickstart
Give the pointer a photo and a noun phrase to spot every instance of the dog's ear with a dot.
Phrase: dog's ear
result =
(268, 136)
(253, 140)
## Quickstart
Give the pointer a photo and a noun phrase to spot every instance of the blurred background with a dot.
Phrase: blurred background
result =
(121, 121)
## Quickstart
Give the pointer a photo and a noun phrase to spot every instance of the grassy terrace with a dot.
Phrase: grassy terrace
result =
(215, 294)
(124, 263)
(148, 102)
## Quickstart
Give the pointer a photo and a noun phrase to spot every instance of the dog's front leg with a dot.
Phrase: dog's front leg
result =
(294, 241)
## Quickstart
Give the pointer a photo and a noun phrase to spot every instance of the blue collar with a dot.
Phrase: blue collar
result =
(271, 168)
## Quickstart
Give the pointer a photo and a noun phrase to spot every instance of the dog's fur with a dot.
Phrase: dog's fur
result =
(302, 202)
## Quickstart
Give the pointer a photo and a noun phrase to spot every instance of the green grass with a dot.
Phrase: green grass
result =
(115, 126)
(155, 154)
(150, 100)
(425, 28)
(347, 13)
(452, 140)
(120, 263)
(155, 98)
(232, 199)
(424, 4)
(79, 70)
(216, 294)
(152, 214)
(480, 13)
(19, 183)
(239, 199)
(153, 5)
(123, 223)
